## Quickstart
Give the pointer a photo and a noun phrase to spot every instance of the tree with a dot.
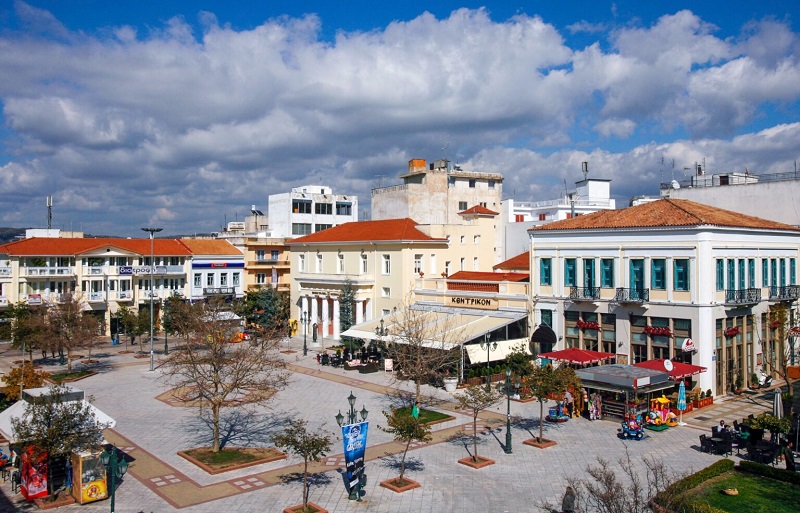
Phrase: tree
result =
(520, 361)
(779, 356)
(405, 429)
(267, 309)
(55, 426)
(69, 328)
(210, 372)
(476, 399)
(311, 446)
(422, 347)
(545, 382)
(346, 313)
(132, 324)
(28, 329)
(23, 376)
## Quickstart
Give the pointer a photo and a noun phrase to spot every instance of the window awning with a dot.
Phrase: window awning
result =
(504, 348)
(454, 326)
(678, 370)
(577, 356)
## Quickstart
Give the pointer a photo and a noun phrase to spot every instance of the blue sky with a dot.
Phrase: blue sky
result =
(183, 114)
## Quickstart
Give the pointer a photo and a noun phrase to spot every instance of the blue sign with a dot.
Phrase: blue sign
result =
(354, 437)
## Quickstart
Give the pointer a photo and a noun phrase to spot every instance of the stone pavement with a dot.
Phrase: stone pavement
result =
(151, 432)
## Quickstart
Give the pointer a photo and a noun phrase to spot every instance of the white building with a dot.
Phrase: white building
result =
(309, 209)
(638, 282)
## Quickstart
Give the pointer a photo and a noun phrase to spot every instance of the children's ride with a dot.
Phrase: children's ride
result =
(632, 430)
(558, 413)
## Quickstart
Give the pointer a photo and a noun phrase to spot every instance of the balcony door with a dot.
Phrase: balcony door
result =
(637, 275)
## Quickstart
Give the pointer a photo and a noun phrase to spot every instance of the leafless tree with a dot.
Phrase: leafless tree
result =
(212, 373)
(779, 358)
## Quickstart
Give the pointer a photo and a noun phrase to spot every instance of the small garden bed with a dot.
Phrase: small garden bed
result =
(542, 443)
(232, 458)
(63, 499)
(400, 485)
(757, 494)
(478, 462)
(428, 417)
(310, 508)
(69, 377)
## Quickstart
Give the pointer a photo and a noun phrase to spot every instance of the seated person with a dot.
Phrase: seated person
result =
(721, 428)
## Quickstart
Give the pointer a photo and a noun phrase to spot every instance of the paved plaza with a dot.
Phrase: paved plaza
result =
(151, 431)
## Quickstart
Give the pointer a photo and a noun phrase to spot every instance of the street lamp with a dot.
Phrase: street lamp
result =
(352, 418)
(116, 466)
(166, 325)
(507, 448)
(152, 232)
(304, 319)
(489, 346)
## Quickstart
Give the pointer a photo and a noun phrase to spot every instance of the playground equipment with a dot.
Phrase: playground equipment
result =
(632, 429)
(558, 413)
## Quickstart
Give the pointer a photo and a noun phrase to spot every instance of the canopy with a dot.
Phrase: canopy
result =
(618, 378)
(679, 370)
(477, 354)
(577, 356)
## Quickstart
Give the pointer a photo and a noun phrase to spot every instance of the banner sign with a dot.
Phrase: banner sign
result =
(355, 446)
(141, 269)
(482, 303)
(688, 346)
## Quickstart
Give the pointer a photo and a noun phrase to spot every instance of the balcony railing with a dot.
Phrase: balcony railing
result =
(97, 296)
(219, 290)
(584, 293)
(3, 301)
(124, 295)
(49, 271)
(268, 261)
(784, 293)
(742, 296)
(5, 271)
(632, 295)
(96, 269)
(147, 294)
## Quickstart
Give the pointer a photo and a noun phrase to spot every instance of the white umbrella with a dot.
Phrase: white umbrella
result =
(777, 404)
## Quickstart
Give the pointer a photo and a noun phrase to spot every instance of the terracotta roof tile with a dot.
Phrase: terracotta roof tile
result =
(477, 209)
(484, 276)
(366, 231)
(521, 262)
(43, 246)
(665, 213)
(211, 247)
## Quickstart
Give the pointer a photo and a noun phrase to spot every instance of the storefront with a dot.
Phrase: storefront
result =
(624, 390)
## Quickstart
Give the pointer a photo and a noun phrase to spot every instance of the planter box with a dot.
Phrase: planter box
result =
(395, 486)
(312, 508)
(544, 444)
(793, 372)
(482, 462)
(450, 384)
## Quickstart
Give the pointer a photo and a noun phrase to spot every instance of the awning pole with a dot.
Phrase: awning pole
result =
(462, 363)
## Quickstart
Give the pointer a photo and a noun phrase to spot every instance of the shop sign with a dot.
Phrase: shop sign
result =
(688, 346)
(481, 303)
(142, 269)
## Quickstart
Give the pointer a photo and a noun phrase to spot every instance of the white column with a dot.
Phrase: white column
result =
(336, 328)
(314, 317)
(359, 306)
(325, 321)
(368, 309)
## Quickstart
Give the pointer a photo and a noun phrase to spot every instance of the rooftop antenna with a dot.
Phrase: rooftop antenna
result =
(585, 166)
(49, 212)
(446, 144)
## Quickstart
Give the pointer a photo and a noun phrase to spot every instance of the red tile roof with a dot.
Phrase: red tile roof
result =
(45, 246)
(521, 262)
(211, 247)
(665, 213)
(484, 276)
(367, 231)
(477, 209)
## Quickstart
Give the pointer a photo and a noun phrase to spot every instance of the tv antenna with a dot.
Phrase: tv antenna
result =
(49, 212)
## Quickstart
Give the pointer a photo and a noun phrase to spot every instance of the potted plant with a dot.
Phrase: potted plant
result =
(738, 384)
(754, 381)
(450, 382)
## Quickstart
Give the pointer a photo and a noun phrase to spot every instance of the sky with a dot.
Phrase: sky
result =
(181, 115)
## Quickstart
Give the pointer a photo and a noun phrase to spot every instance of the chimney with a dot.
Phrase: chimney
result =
(417, 165)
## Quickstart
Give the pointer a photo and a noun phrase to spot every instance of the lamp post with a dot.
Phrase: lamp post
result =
(152, 232)
(352, 418)
(507, 448)
(166, 326)
(116, 466)
(489, 346)
(381, 332)
(304, 319)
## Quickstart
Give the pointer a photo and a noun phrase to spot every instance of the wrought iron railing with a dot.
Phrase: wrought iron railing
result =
(632, 295)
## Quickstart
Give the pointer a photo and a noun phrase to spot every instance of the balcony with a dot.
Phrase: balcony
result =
(784, 293)
(148, 294)
(5, 271)
(742, 297)
(48, 271)
(95, 270)
(123, 295)
(632, 296)
(226, 291)
(584, 293)
(95, 297)
(267, 262)
(3, 301)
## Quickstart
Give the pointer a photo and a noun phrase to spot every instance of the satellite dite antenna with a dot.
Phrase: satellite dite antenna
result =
(49, 212)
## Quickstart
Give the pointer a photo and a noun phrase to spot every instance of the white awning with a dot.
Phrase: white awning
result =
(453, 325)
(17, 410)
(504, 348)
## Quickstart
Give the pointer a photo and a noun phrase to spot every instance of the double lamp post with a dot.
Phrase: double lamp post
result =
(152, 232)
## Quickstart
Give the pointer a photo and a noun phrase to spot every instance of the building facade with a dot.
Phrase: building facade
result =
(309, 209)
(640, 281)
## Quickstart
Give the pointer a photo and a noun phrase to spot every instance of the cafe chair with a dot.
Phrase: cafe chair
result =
(705, 444)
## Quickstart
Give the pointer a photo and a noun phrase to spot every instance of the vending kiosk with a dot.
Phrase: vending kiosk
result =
(88, 477)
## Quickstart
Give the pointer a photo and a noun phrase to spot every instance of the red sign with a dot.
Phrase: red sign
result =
(688, 346)
(217, 264)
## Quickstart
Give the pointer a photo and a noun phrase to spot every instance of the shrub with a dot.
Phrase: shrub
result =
(778, 474)
(694, 480)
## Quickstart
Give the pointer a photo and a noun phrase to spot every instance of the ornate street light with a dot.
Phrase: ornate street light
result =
(507, 448)
(489, 346)
(352, 418)
(305, 320)
(116, 466)
(152, 232)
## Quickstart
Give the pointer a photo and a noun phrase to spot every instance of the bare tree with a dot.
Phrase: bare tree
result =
(780, 358)
(422, 345)
(70, 328)
(476, 399)
(309, 445)
(405, 429)
(213, 373)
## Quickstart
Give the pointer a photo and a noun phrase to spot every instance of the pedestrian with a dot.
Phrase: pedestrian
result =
(788, 455)
(568, 401)
(415, 410)
(568, 502)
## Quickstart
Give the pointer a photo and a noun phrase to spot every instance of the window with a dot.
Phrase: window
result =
(519, 218)
(475, 264)
(417, 264)
(588, 272)
(462, 205)
(545, 271)
(463, 239)
(301, 263)
(463, 264)
(261, 278)
(472, 184)
(751, 273)
(387, 264)
(323, 208)
(783, 271)
(433, 263)
(319, 262)
(547, 317)
(198, 280)
(542, 217)
(607, 273)
(447, 268)
(658, 277)
(344, 209)
(491, 184)
(386, 292)
(773, 272)
(301, 206)
(742, 275)
(792, 271)
(364, 263)
(320, 227)
(209, 280)
(569, 272)
(340, 263)
(236, 279)
(476, 239)
(720, 274)
(301, 228)
(261, 254)
(223, 280)
(764, 272)
(275, 254)
(680, 274)
(731, 274)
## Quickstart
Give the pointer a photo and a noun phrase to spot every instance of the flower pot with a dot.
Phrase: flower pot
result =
(450, 384)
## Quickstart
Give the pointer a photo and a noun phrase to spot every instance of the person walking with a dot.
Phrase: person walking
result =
(415, 410)
(568, 402)
(568, 502)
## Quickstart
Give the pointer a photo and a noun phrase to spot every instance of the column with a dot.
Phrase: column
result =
(368, 309)
(359, 306)
(325, 321)
(314, 317)
(336, 326)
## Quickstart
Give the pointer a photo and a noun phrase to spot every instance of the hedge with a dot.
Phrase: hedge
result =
(779, 474)
(693, 481)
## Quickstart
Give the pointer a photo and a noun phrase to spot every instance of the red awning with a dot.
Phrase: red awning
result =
(679, 370)
(577, 356)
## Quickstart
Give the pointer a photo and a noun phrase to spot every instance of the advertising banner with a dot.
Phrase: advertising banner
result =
(33, 475)
(355, 445)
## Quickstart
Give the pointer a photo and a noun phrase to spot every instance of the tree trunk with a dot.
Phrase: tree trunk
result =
(541, 419)
(475, 438)
(69, 360)
(215, 425)
(403, 460)
(305, 484)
